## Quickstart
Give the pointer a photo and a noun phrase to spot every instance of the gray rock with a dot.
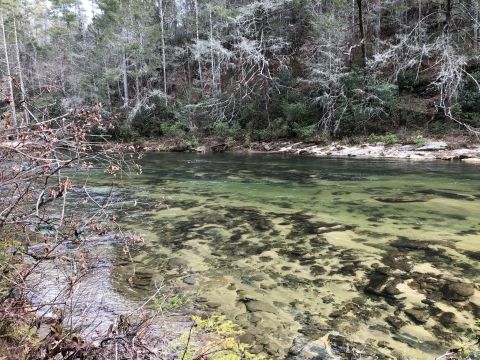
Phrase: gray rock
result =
(231, 286)
(457, 291)
(328, 299)
(395, 322)
(447, 319)
(418, 315)
(177, 263)
(258, 277)
(434, 146)
(190, 280)
(213, 305)
(247, 339)
(301, 349)
(407, 339)
(243, 320)
(254, 319)
(257, 305)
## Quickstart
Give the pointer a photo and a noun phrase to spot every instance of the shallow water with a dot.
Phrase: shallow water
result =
(300, 248)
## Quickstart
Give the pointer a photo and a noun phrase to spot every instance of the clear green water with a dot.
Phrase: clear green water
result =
(292, 247)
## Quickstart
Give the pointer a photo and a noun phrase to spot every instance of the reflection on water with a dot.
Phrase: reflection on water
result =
(377, 253)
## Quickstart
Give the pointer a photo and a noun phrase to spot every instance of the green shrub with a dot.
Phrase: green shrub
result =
(259, 134)
(148, 120)
(368, 105)
(172, 129)
(247, 139)
(390, 139)
(372, 138)
(419, 139)
(191, 143)
(171, 303)
(295, 112)
(278, 129)
(412, 81)
(224, 129)
(303, 131)
(123, 132)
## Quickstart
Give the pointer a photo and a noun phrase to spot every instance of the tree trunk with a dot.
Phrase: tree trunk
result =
(198, 39)
(9, 75)
(125, 80)
(107, 86)
(164, 63)
(448, 15)
(419, 27)
(212, 55)
(476, 20)
(137, 88)
(378, 25)
(20, 76)
(362, 33)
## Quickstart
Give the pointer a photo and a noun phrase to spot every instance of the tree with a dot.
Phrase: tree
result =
(11, 95)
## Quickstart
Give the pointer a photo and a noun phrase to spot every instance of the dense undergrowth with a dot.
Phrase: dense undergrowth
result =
(404, 113)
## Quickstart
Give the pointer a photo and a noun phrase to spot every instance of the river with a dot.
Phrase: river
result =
(381, 253)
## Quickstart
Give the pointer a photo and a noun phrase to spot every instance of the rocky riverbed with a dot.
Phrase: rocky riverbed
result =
(313, 258)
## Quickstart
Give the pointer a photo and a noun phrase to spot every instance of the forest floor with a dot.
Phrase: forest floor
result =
(465, 149)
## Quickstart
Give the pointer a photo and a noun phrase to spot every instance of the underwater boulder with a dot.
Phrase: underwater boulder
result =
(418, 315)
(457, 291)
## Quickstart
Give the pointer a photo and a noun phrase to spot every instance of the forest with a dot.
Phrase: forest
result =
(252, 70)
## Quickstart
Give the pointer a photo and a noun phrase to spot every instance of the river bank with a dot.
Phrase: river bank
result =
(447, 149)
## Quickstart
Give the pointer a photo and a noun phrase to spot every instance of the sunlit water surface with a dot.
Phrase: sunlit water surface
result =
(300, 247)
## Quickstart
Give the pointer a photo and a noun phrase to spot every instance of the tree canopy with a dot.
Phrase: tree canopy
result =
(276, 68)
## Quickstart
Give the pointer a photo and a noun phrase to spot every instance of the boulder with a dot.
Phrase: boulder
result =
(457, 291)
(434, 146)
(418, 315)
(190, 280)
(177, 263)
(301, 349)
(213, 305)
(447, 319)
(257, 305)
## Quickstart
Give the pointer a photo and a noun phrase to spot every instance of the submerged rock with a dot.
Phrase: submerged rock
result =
(447, 319)
(348, 269)
(377, 284)
(395, 322)
(399, 200)
(418, 315)
(301, 349)
(448, 194)
(177, 263)
(457, 291)
(474, 255)
(408, 244)
(257, 305)
(190, 280)
(317, 270)
(328, 299)
(213, 305)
